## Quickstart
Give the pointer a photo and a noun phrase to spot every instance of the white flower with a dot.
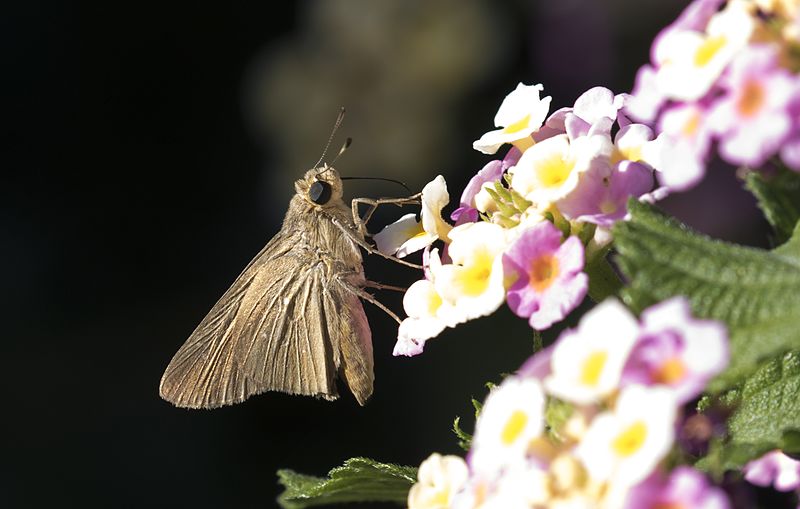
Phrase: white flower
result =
(422, 304)
(407, 235)
(483, 200)
(587, 362)
(690, 62)
(511, 417)
(596, 104)
(632, 143)
(473, 284)
(440, 477)
(550, 170)
(679, 152)
(520, 487)
(623, 446)
(521, 114)
(403, 237)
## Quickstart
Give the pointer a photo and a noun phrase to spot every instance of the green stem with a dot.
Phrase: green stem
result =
(603, 280)
(537, 341)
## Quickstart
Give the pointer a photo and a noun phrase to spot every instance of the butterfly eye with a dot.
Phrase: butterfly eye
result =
(319, 192)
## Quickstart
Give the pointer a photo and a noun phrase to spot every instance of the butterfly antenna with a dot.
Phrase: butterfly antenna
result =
(398, 182)
(330, 138)
(347, 143)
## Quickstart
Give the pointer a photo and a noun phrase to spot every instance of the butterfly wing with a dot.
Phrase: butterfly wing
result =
(267, 313)
(326, 332)
(355, 342)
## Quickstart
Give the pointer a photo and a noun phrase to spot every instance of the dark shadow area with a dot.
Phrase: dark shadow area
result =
(140, 176)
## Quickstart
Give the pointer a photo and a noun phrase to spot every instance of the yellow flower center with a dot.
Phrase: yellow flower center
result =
(608, 207)
(544, 271)
(670, 371)
(434, 302)
(708, 49)
(630, 440)
(691, 125)
(416, 231)
(517, 126)
(668, 505)
(509, 278)
(440, 499)
(752, 98)
(514, 427)
(554, 171)
(474, 279)
(593, 367)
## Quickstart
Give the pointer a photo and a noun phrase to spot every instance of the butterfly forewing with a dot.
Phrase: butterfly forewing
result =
(287, 345)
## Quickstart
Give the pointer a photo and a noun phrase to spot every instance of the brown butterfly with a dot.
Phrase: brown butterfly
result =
(293, 320)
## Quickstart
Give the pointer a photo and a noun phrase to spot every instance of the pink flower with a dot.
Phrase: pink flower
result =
(685, 487)
(776, 469)
(491, 172)
(602, 194)
(594, 112)
(537, 365)
(647, 98)
(549, 281)
(753, 117)
(683, 145)
(676, 350)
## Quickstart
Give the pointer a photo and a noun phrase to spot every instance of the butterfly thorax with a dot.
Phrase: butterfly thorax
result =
(319, 220)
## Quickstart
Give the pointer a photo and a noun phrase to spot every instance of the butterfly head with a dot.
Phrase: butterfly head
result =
(320, 186)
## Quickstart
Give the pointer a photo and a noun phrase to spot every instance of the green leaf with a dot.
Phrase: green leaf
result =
(768, 404)
(724, 457)
(358, 480)
(779, 198)
(790, 442)
(766, 416)
(519, 202)
(791, 249)
(556, 415)
(755, 292)
(464, 438)
(477, 405)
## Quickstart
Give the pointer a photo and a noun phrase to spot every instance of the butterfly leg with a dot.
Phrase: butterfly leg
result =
(373, 204)
(369, 298)
(381, 286)
(358, 239)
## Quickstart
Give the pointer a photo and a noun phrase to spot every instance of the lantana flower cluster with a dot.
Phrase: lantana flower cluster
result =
(590, 421)
(724, 73)
(527, 223)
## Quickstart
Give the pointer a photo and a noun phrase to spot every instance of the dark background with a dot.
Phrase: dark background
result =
(147, 156)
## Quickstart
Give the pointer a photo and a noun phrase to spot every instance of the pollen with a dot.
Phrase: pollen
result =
(514, 427)
(630, 440)
(593, 367)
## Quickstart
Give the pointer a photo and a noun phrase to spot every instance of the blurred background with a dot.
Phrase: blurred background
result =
(148, 154)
